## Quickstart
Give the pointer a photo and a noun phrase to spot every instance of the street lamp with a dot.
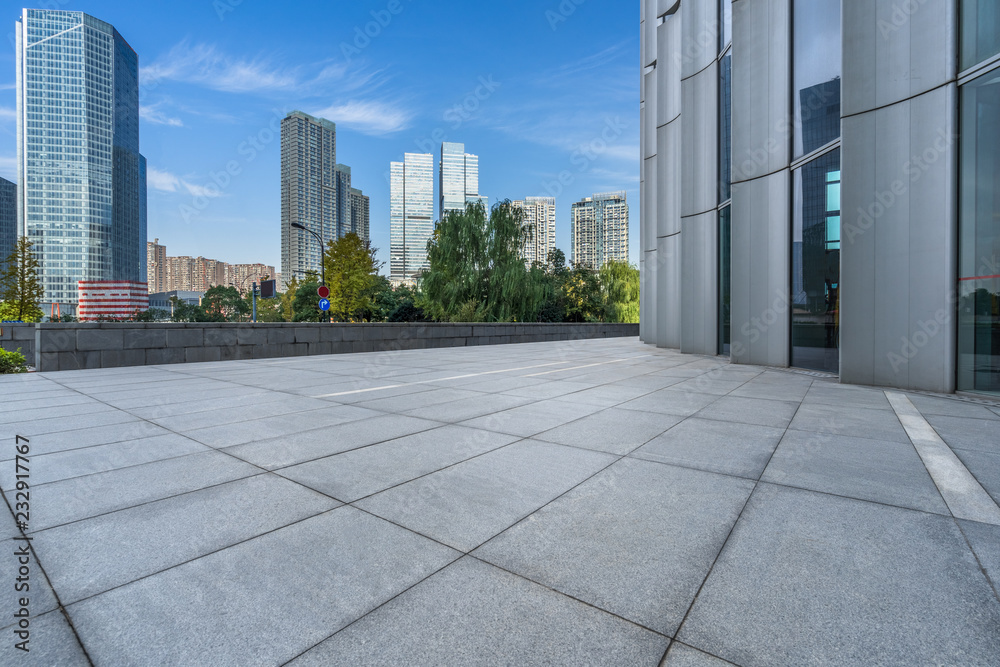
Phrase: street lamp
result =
(322, 264)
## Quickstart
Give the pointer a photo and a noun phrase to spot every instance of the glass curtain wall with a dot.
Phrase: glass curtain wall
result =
(979, 235)
(725, 174)
(980, 31)
(815, 247)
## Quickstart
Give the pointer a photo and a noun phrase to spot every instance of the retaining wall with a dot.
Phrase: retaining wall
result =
(73, 346)
(14, 336)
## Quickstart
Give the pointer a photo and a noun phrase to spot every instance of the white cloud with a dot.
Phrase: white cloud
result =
(7, 113)
(205, 65)
(152, 114)
(369, 117)
(8, 167)
(164, 181)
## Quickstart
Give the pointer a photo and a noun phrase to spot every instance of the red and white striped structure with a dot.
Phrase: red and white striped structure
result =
(110, 298)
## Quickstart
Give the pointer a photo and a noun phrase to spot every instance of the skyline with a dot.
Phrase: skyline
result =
(543, 100)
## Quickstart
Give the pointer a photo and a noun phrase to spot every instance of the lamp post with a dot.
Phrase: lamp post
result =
(322, 264)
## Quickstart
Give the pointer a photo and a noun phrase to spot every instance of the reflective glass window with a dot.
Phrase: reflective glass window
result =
(980, 31)
(816, 73)
(725, 127)
(725, 280)
(816, 264)
(725, 23)
(979, 243)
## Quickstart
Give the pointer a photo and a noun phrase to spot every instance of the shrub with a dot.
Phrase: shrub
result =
(12, 362)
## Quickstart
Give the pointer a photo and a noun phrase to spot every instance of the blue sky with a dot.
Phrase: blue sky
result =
(539, 89)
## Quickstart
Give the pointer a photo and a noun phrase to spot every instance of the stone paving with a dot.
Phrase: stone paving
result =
(595, 502)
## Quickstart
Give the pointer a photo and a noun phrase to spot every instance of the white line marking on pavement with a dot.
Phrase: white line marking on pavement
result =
(560, 370)
(454, 377)
(964, 495)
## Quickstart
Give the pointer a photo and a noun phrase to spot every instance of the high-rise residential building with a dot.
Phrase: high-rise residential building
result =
(411, 214)
(540, 217)
(82, 179)
(8, 219)
(342, 177)
(458, 179)
(243, 276)
(599, 230)
(360, 214)
(811, 208)
(309, 180)
(156, 266)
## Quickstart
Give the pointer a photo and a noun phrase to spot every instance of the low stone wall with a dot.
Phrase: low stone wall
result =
(14, 336)
(60, 347)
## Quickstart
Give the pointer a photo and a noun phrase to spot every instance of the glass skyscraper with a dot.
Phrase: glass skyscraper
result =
(82, 180)
(8, 218)
(411, 214)
(458, 179)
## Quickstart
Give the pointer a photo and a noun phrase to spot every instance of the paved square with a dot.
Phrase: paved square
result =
(597, 502)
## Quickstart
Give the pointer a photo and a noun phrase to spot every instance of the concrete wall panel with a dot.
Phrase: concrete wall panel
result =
(668, 179)
(668, 291)
(700, 39)
(699, 142)
(699, 277)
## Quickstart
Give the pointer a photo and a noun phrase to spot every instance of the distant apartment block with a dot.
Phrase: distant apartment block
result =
(458, 179)
(82, 180)
(156, 266)
(199, 274)
(540, 218)
(360, 214)
(110, 299)
(599, 232)
(8, 219)
(411, 215)
(316, 193)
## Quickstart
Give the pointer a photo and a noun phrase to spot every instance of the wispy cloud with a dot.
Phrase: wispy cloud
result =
(369, 117)
(164, 181)
(153, 114)
(206, 65)
(8, 167)
(7, 113)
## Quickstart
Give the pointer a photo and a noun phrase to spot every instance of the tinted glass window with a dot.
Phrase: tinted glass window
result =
(816, 73)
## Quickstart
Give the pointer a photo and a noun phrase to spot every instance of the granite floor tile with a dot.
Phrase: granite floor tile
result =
(985, 541)
(807, 576)
(881, 471)
(722, 447)
(876, 424)
(50, 642)
(777, 414)
(982, 435)
(950, 407)
(681, 655)
(269, 599)
(467, 504)
(671, 402)
(469, 408)
(527, 420)
(612, 430)
(474, 614)
(362, 472)
(228, 435)
(985, 467)
(636, 540)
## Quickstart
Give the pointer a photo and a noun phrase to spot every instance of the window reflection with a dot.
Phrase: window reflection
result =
(816, 74)
(979, 228)
(725, 127)
(726, 23)
(725, 280)
(816, 264)
(980, 31)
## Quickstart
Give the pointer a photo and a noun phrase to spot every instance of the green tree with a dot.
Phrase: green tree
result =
(620, 289)
(351, 270)
(476, 269)
(186, 312)
(224, 304)
(268, 310)
(305, 303)
(288, 300)
(582, 291)
(21, 291)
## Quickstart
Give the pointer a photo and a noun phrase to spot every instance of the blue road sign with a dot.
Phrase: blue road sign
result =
(324, 305)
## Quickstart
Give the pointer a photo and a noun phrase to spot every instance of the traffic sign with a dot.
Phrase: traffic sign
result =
(324, 305)
(323, 291)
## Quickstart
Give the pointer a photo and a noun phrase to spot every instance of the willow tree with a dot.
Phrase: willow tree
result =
(477, 271)
(620, 289)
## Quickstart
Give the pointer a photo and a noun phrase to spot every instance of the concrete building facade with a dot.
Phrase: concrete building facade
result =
(818, 191)
(599, 231)
(156, 266)
(81, 198)
(540, 217)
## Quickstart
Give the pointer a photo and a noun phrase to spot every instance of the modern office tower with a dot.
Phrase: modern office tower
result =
(156, 266)
(458, 179)
(82, 180)
(360, 214)
(808, 207)
(343, 182)
(309, 180)
(599, 230)
(8, 219)
(411, 215)
(540, 217)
